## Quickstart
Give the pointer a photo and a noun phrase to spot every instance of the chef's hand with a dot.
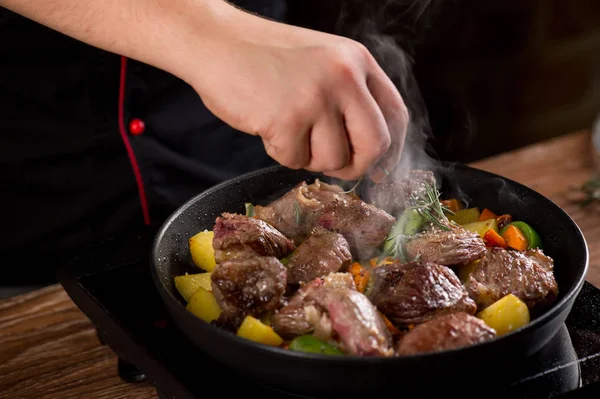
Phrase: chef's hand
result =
(318, 101)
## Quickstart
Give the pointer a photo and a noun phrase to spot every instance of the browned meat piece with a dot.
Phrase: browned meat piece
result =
(392, 194)
(528, 275)
(291, 320)
(293, 213)
(322, 253)
(448, 248)
(355, 321)
(451, 331)
(240, 235)
(248, 286)
(414, 293)
(364, 226)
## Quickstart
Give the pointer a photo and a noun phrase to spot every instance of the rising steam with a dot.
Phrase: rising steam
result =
(369, 23)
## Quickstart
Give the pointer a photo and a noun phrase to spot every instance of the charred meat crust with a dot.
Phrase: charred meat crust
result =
(322, 253)
(293, 213)
(364, 226)
(307, 206)
(448, 248)
(450, 331)
(248, 286)
(417, 292)
(528, 275)
(239, 235)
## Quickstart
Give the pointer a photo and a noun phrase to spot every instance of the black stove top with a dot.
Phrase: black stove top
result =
(112, 285)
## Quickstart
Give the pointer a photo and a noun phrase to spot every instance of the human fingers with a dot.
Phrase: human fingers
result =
(396, 116)
(329, 148)
(367, 131)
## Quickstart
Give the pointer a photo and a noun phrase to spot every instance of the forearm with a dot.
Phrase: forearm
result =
(156, 32)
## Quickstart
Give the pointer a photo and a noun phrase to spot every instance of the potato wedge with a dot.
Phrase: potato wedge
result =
(187, 284)
(203, 253)
(482, 226)
(506, 314)
(203, 304)
(254, 330)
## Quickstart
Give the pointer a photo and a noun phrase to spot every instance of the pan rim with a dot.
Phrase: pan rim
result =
(566, 301)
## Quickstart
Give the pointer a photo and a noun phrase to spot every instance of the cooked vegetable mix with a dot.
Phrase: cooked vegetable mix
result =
(321, 271)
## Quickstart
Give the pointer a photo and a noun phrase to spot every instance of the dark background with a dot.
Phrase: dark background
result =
(495, 75)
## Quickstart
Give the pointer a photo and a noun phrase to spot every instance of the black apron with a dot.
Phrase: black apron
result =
(73, 167)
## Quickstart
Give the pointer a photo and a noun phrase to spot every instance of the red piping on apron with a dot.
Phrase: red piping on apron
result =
(130, 152)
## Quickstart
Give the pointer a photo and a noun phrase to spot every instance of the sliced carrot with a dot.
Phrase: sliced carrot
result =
(360, 276)
(391, 327)
(411, 326)
(494, 239)
(486, 214)
(515, 239)
(453, 204)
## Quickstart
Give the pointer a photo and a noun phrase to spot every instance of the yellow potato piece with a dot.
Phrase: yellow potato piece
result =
(189, 283)
(254, 330)
(204, 305)
(506, 314)
(203, 253)
(482, 226)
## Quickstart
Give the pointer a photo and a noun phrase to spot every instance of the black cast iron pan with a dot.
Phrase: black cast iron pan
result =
(487, 364)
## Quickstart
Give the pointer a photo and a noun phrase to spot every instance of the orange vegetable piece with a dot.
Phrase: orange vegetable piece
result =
(486, 214)
(515, 239)
(494, 239)
(391, 327)
(453, 204)
(360, 276)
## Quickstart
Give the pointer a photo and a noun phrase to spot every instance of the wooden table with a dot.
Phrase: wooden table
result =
(49, 349)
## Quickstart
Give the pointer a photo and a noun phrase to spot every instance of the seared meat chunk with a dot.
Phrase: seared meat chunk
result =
(293, 213)
(355, 321)
(331, 311)
(527, 275)
(450, 331)
(448, 248)
(240, 235)
(248, 286)
(364, 226)
(393, 193)
(414, 293)
(292, 320)
(322, 253)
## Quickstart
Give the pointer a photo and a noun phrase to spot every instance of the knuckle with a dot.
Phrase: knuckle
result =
(382, 144)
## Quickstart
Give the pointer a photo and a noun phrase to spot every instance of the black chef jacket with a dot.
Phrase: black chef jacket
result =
(94, 143)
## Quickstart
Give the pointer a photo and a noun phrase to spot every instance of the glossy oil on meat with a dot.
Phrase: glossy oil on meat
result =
(449, 248)
(248, 286)
(528, 275)
(291, 320)
(294, 212)
(450, 331)
(364, 226)
(322, 253)
(239, 235)
(414, 293)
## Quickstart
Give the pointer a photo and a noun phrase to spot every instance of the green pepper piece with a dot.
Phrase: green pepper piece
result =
(308, 343)
(249, 209)
(533, 238)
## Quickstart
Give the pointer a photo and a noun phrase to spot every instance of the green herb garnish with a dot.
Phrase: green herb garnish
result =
(423, 210)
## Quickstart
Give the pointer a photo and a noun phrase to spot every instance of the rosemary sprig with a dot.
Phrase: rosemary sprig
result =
(427, 209)
(430, 207)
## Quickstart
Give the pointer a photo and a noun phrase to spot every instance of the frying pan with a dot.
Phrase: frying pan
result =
(328, 376)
